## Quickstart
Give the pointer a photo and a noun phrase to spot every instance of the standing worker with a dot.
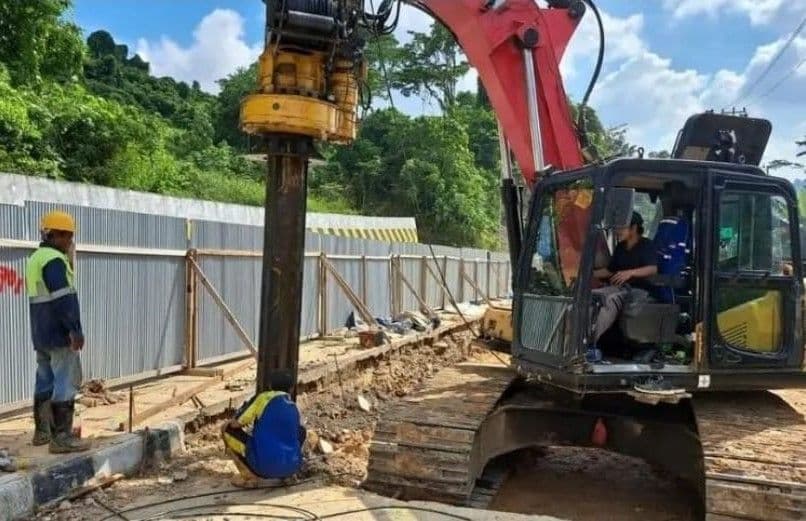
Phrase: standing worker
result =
(56, 333)
(265, 438)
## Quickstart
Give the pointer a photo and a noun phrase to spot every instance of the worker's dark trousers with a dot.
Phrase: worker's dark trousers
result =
(613, 300)
(58, 374)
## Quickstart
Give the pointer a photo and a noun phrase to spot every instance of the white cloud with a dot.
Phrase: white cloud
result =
(623, 41)
(218, 49)
(412, 19)
(759, 12)
(653, 97)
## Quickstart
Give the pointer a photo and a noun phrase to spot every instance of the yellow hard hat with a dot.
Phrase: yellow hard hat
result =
(59, 221)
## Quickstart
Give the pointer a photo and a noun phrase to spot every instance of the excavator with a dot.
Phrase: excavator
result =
(699, 381)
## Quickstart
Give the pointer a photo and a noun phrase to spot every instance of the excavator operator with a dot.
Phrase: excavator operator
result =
(633, 262)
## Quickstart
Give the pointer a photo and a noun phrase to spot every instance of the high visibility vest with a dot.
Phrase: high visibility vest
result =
(38, 292)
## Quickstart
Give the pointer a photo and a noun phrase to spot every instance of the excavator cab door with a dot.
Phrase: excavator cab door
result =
(756, 286)
(548, 285)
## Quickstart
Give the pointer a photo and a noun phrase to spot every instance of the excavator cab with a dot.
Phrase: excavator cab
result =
(724, 310)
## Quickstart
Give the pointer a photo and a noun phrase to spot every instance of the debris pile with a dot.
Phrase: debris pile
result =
(94, 393)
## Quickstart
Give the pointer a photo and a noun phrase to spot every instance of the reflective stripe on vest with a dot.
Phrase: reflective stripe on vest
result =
(38, 292)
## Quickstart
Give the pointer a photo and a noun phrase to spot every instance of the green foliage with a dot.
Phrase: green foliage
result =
(414, 166)
(430, 66)
(37, 44)
(90, 112)
(226, 119)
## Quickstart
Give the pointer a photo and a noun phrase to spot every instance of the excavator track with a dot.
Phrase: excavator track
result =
(754, 448)
(423, 447)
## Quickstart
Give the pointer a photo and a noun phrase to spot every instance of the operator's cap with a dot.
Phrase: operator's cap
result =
(636, 219)
(58, 220)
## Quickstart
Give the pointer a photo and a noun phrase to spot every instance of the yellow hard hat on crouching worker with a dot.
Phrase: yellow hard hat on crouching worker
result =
(58, 220)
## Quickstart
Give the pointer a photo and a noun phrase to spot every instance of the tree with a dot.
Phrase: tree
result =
(423, 167)
(431, 66)
(37, 44)
(226, 121)
(101, 43)
(383, 55)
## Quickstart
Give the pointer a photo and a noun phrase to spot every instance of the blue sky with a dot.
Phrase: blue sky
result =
(665, 60)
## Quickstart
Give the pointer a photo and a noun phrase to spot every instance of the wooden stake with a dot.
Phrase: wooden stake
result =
(476, 288)
(424, 280)
(131, 407)
(191, 348)
(438, 280)
(139, 417)
(362, 309)
(364, 280)
(424, 307)
(221, 304)
(322, 294)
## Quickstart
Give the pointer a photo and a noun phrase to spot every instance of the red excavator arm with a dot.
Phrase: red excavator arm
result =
(499, 39)
(308, 83)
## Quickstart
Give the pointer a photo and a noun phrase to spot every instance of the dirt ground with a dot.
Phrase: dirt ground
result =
(592, 485)
(333, 415)
(549, 485)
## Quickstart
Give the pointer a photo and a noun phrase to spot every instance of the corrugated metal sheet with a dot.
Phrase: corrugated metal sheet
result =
(309, 320)
(237, 280)
(13, 222)
(114, 228)
(134, 306)
(133, 313)
(16, 352)
(338, 305)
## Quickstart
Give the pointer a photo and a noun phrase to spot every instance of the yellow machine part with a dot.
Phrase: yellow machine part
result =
(754, 325)
(497, 323)
(292, 97)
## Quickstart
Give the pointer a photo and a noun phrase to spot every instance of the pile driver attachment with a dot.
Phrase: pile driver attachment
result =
(308, 77)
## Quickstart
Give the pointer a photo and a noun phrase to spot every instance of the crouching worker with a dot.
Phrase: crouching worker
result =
(265, 438)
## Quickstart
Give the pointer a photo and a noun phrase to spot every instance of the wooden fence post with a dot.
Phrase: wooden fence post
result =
(364, 280)
(423, 280)
(398, 286)
(191, 303)
(462, 276)
(489, 274)
(322, 294)
(476, 279)
(445, 276)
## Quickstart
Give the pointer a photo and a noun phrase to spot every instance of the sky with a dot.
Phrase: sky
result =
(665, 59)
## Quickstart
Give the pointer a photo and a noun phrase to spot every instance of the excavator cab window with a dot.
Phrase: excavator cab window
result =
(562, 217)
(657, 327)
(754, 239)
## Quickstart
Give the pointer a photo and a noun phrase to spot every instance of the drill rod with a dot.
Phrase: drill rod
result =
(283, 258)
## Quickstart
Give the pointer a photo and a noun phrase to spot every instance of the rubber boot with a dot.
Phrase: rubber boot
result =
(43, 420)
(63, 440)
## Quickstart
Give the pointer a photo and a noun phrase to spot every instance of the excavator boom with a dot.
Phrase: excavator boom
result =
(516, 47)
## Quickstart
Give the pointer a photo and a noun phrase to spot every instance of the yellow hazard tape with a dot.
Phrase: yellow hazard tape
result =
(376, 234)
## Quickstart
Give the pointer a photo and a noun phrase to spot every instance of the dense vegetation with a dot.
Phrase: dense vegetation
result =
(87, 110)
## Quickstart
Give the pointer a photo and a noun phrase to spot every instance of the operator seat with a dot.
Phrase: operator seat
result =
(673, 245)
(656, 322)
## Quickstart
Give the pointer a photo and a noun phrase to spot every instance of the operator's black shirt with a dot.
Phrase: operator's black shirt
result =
(642, 254)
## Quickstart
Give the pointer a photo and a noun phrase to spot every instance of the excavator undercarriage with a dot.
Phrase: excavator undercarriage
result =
(741, 456)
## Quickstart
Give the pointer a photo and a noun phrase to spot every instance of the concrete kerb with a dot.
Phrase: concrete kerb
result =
(22, 493)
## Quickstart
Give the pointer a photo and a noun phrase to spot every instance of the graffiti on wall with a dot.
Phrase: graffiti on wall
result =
(10, 281)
